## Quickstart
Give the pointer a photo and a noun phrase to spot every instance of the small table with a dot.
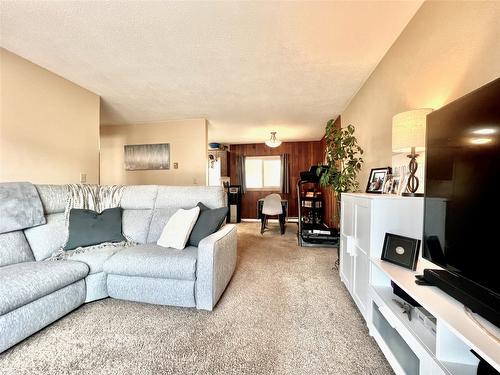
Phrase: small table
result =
(282, 217)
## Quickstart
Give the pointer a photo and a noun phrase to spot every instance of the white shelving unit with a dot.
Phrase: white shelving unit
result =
(365, 220)
(409, 346)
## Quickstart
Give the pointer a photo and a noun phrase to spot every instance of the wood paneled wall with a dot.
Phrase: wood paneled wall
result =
(301, 156)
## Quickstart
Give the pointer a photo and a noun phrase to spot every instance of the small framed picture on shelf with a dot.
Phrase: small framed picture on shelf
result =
(387, 188)
(396, 184)
(401, 250)
(404, 184)
(377, 179)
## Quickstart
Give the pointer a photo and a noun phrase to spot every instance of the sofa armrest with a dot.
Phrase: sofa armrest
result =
(215, 266)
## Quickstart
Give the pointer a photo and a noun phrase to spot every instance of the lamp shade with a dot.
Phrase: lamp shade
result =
(273, 141)
(408, 130)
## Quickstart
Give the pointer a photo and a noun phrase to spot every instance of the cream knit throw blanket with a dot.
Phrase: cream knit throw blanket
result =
(96, 198)
(93, 197)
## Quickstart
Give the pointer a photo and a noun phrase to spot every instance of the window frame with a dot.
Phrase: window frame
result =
(262, 158)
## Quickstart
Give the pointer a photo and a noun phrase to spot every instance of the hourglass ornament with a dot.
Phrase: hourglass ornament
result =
(413, 182)
(408, 135)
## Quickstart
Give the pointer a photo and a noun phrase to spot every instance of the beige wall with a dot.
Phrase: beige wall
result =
(49, 127)
(188, 147)
(447, 50)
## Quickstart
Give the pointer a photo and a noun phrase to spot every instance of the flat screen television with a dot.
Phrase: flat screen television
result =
(462, 198)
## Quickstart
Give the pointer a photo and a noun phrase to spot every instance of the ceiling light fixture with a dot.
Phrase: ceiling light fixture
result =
(273, 141)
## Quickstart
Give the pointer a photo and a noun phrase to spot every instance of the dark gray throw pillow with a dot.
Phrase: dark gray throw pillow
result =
(87, 227)
(209, 221)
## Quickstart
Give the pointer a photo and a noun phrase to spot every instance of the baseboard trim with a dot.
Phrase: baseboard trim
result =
(289, 220)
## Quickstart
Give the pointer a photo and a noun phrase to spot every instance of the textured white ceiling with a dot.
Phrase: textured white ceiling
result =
(247, 67)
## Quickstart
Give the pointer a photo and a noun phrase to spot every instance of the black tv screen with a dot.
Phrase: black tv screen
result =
(462, 187)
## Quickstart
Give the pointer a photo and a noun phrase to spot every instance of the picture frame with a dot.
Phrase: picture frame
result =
(387, 188)
(400, 250)
(377, 179)
(404, 184)
(147, 156)
(396, 184)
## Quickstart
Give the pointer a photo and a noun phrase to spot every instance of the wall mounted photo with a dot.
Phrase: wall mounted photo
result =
(377, 179)
(400, 250)
(143, 157)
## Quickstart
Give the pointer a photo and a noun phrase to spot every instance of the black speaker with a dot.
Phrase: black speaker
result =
(479, 300)
(396, 289)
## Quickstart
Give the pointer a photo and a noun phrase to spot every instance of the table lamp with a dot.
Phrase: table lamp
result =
(408, 135)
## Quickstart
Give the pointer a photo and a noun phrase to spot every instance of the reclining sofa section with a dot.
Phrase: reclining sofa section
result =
(35, 291)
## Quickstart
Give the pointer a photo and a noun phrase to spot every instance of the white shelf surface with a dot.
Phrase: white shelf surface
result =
(395, 347)
(387, 352)
(448, 310)
(459, 368)
(381, 196)
(426, 338)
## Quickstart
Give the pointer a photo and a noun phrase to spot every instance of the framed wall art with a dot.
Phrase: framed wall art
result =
(147, 156)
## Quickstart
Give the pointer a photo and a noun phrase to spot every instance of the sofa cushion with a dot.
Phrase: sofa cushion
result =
(139, 197)
(94, 258)
(189, 196)
(87, 227)
(135, 224)
(151, 260)
(170, 292)
(14, 248)
(96, 286)
(171, 198)
(23, 283)
(24, 321)
(176, 232)
(209, 221)
(46, 239)
(159, 219)
(54, 197)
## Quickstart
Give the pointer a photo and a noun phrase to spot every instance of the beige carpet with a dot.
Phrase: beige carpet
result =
(284, 312)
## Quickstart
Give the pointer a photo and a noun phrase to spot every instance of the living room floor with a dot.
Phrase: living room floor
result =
(284, 312)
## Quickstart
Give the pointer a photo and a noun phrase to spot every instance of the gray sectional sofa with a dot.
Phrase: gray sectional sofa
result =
(35, 291)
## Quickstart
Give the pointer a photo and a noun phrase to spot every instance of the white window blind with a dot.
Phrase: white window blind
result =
(263, 172)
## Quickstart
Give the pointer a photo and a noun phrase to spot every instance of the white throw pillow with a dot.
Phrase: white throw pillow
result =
(179, 226)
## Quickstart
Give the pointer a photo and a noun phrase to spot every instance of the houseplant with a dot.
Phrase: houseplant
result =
(343, 162)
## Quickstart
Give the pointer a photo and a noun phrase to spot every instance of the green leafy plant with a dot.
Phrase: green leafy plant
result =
(343, 161)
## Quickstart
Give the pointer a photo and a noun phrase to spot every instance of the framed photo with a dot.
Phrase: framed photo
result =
(396, 184)
(387, 188)
(404, 184)
(377, 179)
(400, 250)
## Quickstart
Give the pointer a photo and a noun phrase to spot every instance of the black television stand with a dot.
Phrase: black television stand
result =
(476, 298)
